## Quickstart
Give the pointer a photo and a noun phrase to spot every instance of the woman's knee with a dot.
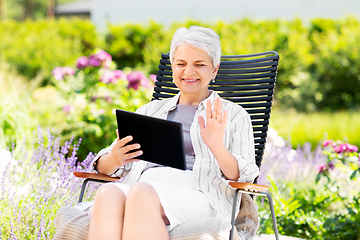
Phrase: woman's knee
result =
(110, 193)
(142, 191)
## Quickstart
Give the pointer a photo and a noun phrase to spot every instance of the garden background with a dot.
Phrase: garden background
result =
(60, 81)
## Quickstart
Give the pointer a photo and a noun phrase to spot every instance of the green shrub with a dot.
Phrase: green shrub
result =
(328, 209)
(39, 46)
(319, 62)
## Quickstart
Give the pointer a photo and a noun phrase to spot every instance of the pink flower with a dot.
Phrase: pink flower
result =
(58, 73)
(68, 71)
(340, 148)
(351, 148)
(153, 78)
(102, 56)
(93, 61)
(118, 74)
(322, 168)
(107, 77)
(82, 62)
(326, 142)
(108, 99)
(68, 109)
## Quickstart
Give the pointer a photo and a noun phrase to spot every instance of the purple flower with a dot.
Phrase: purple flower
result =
(93, 61)
(136, 79)
(58, 73)
(82, 62)
(331, 165)
(93, 98)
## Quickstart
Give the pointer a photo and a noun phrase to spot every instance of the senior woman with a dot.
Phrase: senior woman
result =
(219, 147)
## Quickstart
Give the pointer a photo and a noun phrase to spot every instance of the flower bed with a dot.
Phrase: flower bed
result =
(35, 184)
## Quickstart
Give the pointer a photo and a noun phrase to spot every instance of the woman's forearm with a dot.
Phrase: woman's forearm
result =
(227, 162)
(107, 164)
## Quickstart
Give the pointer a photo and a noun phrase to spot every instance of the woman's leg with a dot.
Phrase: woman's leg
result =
(144, 216)
(108, 213)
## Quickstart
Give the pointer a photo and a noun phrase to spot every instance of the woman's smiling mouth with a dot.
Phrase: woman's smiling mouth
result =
(190, 80)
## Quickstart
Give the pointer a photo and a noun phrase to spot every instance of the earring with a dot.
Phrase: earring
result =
(213, 80)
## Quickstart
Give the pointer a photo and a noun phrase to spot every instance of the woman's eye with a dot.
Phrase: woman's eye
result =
(200, 65)
(180, 64)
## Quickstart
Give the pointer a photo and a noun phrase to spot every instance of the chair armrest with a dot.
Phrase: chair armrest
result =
(251, 187)
(96, 176)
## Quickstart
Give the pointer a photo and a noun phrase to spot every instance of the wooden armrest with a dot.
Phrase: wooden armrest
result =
(249, 186)
(96, 176)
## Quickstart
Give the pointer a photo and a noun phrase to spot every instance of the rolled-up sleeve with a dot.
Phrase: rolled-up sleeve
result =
(120, 172)
(242, 145)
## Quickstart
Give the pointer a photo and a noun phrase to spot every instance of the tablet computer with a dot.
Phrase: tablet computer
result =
(161, 140)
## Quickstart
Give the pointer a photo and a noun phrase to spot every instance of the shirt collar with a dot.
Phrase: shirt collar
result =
(171, 105)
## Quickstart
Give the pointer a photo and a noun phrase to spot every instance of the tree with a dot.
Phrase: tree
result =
(50, 9)
(3, 10)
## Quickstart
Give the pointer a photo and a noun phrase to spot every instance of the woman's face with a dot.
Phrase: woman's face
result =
(192, 72)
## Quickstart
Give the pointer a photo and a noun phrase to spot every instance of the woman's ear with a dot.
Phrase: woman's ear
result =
(215, 71)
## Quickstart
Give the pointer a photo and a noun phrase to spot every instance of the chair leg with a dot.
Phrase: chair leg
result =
(82, 191)
(272, 214)
(276, 232)
(83, 187)
(233, 214)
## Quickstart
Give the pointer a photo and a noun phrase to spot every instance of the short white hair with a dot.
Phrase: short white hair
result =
(203, 38)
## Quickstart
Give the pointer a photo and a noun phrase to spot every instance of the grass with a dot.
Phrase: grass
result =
(15, 100)
(313, 128)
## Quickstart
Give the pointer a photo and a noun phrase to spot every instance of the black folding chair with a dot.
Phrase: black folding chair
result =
(248, 80)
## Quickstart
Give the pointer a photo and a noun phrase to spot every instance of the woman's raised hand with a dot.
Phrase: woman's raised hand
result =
(121, 151)
(213, 132)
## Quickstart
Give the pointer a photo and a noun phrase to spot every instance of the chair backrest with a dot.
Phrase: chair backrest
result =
(248, 80)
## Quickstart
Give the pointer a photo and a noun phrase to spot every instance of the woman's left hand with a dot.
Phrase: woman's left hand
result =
(213, 132)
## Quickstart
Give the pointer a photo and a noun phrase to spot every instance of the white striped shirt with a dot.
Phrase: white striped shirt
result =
(208, 177)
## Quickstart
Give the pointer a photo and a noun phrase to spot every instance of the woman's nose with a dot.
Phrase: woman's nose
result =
(189, 70)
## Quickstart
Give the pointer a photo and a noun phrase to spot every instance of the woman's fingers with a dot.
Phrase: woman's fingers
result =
(215, 109)
(126, 151)
(219, 112)
(208, 110)
(122, 142)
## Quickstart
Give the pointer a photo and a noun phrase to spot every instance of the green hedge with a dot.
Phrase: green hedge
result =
(319, 61)
(36, 47)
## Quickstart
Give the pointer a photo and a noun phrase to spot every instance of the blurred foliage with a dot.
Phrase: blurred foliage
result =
(16, 123)
(83, 102)
(35, 47)
(326, 210)
(313, 127)
(319, 62)
(33, 9)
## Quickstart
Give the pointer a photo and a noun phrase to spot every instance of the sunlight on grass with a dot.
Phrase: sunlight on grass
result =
(315, 127)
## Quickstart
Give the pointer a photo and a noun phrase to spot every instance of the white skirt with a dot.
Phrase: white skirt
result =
(181, 202)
